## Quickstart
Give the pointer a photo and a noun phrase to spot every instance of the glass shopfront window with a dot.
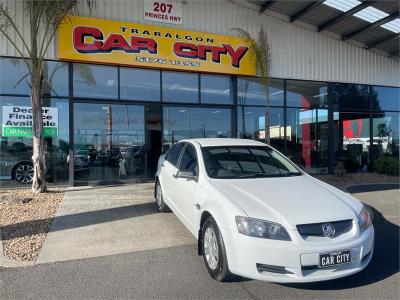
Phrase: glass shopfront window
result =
(307, 138)
(352, 96)
(109, 141)
(55, 78)
(251, 91)
(117, 141)
(386, 134)
(16, 151)
(216, 89)
(386, 98)
(187, 122)
(352, 141)
(180, 87)
(140, 84)
(306, 94)
(251, 124)
(93, 81)
(14, 77)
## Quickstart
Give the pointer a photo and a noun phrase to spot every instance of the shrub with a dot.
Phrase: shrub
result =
(340, 170)
(387, 164)
(351, 163)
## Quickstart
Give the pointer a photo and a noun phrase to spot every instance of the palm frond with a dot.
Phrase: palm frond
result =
(260, 51)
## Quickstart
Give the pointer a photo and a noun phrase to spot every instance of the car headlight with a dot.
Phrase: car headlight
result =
(261, 229)
(364, 219)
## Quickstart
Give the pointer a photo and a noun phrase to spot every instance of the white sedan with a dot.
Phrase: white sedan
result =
(256, 214)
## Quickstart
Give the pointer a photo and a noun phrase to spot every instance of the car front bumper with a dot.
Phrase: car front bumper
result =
(294, 261)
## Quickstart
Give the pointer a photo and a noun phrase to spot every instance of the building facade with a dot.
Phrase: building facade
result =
(115, 103)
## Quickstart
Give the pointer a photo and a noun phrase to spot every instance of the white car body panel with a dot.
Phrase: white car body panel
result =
(289, 201)
(282, 198)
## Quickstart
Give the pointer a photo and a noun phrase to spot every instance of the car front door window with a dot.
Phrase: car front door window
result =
(172, 155)
(169, 169)
(188, 161)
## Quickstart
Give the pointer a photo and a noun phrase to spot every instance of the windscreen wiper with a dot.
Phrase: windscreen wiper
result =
(291, 174)
(254, 175)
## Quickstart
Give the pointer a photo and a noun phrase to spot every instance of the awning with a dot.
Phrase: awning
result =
(372, 24)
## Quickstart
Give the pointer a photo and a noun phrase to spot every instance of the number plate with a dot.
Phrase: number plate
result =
(333, 259)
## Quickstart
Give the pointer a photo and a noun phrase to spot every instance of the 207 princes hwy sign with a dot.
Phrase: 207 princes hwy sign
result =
(17, 121)
(163, 11)
(114, 42)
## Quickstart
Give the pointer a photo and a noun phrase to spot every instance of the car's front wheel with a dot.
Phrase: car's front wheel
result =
(213, 249)
(161, 206)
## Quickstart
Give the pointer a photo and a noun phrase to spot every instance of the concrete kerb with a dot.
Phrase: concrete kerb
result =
(362, 188)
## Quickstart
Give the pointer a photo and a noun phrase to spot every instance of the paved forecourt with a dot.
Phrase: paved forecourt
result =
(100, 221)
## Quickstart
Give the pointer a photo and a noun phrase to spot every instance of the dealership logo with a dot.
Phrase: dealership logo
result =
(92, 40)
(328, 230)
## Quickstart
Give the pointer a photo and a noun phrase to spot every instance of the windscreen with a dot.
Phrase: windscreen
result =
(246, 162)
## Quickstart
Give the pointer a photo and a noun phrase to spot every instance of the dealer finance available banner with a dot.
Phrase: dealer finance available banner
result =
(17, 121)
(114, 42)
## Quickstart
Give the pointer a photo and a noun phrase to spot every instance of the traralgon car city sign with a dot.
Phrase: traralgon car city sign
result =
(17, 121)
(113, 42)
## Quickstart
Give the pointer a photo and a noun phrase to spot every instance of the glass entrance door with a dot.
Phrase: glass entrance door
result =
(109, 142)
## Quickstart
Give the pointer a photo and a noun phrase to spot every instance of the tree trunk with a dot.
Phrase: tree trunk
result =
(267, 124)
(244, 135)
(38, 158)
(267, 120)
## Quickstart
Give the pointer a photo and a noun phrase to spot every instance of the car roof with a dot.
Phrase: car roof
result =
(212, 142)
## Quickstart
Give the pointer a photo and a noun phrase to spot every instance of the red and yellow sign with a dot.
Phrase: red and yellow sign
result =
(113, 42)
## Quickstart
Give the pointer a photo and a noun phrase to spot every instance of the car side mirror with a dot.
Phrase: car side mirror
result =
(186, 174)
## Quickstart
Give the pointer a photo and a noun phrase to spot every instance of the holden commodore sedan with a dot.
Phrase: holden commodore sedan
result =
(256, 214)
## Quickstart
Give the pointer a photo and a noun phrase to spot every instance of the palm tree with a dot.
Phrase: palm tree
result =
(261, 53)
(45, 17)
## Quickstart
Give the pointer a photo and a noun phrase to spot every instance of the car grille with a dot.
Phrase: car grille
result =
(315, 229)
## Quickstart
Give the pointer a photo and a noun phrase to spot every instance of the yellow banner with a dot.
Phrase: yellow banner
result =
(113, 42)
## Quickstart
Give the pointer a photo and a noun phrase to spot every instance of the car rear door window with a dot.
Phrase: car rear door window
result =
(172, 155)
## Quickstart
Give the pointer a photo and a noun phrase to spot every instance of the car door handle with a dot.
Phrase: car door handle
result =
(197, 206)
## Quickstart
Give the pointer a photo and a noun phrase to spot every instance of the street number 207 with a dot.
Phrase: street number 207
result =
(162, 7)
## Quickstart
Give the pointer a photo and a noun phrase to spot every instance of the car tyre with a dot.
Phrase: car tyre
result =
(23, 172)
(161, 205)
(213, 250)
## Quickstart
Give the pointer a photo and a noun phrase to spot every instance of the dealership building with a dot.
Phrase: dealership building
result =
(128, 79)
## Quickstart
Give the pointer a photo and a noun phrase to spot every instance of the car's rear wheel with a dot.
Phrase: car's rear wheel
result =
(161, 206)
(213, 249)
(23, 173)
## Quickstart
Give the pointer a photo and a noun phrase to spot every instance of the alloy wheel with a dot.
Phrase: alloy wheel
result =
(24, 173)
(158, 195)
(211, 248)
